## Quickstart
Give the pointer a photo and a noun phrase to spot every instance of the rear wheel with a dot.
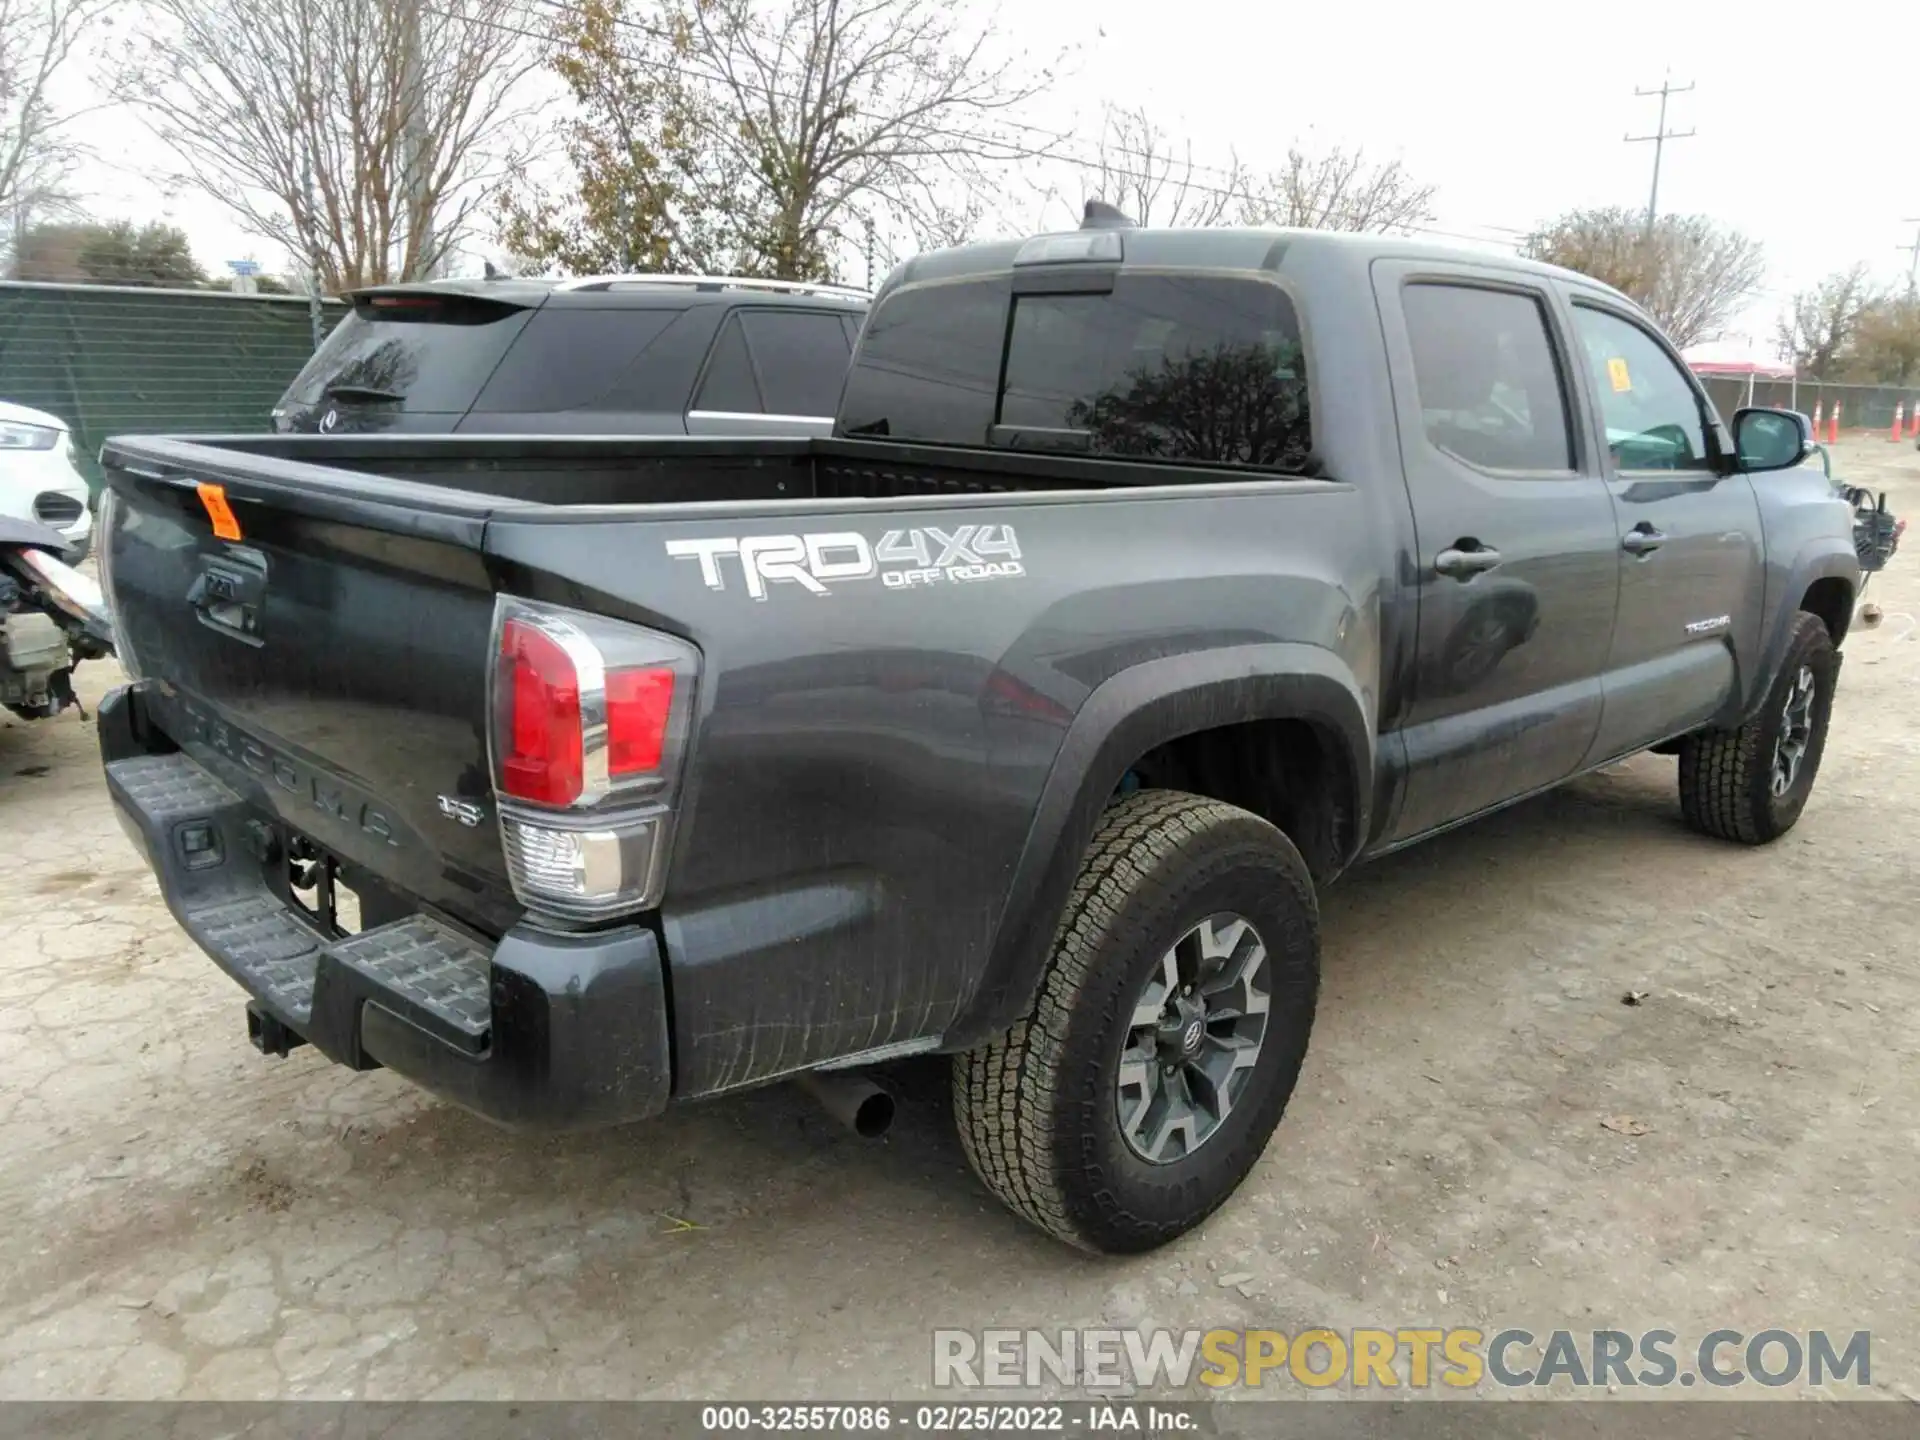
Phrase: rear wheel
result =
(1167, 1034)
(1750, 785)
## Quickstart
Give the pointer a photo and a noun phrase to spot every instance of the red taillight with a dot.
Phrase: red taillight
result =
(639, 703)
(586, 709)
(591, 723)
(541, 759)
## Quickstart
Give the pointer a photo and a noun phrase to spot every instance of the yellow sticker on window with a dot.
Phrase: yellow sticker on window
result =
(1617, 373)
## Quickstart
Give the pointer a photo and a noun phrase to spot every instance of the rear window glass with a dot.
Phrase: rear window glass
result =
(1179, 368)
(801, 357)
(424, 354)
(728, 387)
(928, 364)
(569, 359)
(1168, 367)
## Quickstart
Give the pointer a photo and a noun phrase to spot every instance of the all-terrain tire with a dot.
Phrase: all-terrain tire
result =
(1037, 1107)
(1726, 776)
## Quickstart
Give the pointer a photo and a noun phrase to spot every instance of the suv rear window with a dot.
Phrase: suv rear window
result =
(569, 359)
(424, 354)
(1181, 368)
(801, 356)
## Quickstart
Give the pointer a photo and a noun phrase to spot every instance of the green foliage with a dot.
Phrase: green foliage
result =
(1849, 330)
(652, 193)
(1886, 345)
(757, 136)
(113, 253)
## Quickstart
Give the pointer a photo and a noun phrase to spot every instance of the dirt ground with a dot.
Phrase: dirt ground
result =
(184, 1218)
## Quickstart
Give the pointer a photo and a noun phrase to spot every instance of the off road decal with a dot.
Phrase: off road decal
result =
(818, 563)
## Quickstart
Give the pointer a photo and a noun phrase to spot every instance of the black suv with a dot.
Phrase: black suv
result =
(601, 355)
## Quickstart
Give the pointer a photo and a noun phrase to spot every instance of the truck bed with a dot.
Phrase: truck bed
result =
(620, 470)
(893, 642)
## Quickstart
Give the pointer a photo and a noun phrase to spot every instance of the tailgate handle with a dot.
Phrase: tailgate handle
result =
(229, 594)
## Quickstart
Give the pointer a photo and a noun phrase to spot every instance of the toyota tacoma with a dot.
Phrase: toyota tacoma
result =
(1148, 581)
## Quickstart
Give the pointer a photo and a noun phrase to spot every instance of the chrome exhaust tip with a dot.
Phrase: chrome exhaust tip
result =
(852, 1099)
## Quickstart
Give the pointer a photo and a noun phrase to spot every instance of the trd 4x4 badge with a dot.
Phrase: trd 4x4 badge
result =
(901, 559)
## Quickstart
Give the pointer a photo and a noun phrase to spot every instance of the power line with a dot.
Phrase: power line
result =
(1659, 138)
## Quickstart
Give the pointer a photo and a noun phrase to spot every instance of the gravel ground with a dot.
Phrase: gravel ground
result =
(188, 1219)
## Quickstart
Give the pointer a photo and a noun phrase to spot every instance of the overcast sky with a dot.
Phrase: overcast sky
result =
(1807, 117)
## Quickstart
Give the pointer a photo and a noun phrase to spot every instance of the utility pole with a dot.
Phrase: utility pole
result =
(1659, 138)
(869, 220)
(1913, 253)
(311, 231)
(416, 152)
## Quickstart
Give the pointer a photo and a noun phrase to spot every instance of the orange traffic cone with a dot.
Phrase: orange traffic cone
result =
(1913, 422)
(1899, 422)
(1833, 425)
(1816, 419)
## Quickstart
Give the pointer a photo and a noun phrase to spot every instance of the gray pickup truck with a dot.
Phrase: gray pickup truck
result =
(1149, 581)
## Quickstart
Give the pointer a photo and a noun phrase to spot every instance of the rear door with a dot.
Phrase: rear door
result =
(773, 371)
(401, 361)
(1515, 568)
(1691, 571)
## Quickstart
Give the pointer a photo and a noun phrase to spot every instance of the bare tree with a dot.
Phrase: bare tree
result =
(1819, 324)
(37, 38)
(360, 134)
(1339, 190)
(1689, 273)
(1155, 178)
(829, 108)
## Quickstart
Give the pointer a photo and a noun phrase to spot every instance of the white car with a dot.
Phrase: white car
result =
(39, 477)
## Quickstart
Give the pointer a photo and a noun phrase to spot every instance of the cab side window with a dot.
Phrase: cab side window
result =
(1489, 382)
(1652, 411)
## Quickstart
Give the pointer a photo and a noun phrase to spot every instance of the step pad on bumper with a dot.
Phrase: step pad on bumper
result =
(426, 973)
(168, 785)
(272, 954)
(534, 1030)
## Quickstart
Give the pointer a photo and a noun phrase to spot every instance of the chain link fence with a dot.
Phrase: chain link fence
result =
(1862, 407)
(113, 360)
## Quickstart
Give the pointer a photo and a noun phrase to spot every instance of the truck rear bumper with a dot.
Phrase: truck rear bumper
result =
(541, 1031)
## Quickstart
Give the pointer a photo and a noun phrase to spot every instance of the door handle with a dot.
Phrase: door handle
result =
(1465, 559)
(1642, 540)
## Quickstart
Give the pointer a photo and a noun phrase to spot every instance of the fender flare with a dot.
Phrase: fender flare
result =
(1123, 718)
(1823, 560)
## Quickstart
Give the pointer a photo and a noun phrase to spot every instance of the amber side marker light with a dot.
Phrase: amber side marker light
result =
(214, 498)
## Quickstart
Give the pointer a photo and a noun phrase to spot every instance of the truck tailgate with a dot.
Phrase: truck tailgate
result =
(328, 663)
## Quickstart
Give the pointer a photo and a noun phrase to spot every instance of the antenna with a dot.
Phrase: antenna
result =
(1102, 216)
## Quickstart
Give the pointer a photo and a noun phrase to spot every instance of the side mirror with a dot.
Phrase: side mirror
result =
(1771, 439)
